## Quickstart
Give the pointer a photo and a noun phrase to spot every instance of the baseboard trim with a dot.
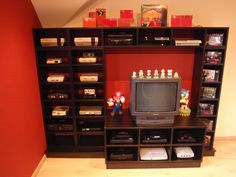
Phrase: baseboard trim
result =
(228, 138)
(39, 166)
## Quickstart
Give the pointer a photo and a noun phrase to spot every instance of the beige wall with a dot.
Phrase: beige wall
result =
(205, 13)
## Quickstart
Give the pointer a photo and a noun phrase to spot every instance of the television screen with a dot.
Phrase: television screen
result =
(156, 97)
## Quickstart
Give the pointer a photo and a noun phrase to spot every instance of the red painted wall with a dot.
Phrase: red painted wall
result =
(22, 141)
(120, 63)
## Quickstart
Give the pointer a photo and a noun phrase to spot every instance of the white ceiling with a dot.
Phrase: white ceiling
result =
(57, 13)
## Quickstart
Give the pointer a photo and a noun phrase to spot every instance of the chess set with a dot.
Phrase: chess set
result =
(155, 75)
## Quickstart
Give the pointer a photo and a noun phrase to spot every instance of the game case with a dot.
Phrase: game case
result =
(213, 57)
(206, 109)
(210, 75)
(215, 39)
(208, 92)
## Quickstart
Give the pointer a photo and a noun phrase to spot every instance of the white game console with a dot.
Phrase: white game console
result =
(89, 77)
(54, 60)
(56, 78)
(184, 152)
(52, 42)
(85, 41)
(90, 110)
(153, 154)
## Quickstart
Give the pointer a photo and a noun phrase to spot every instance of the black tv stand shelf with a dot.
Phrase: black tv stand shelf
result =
(73, 141)
(126, 124)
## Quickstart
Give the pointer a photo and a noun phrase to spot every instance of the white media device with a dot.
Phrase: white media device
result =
(56, 78)
(90, 110)
(184, 152)
(86, 41)
(60, 111)
(52, 42)
(153, 154)
(54, 60)
(89, 77)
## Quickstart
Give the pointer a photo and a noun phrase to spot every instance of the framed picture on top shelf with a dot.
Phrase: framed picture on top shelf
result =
(208, 92)
(206, 109)
(215, 39)
(213, 57)
(210, 75)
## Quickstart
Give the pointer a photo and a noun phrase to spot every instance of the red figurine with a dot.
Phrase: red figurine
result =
(116, 101)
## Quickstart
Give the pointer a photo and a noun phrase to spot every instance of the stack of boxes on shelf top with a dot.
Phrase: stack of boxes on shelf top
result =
(99, 19)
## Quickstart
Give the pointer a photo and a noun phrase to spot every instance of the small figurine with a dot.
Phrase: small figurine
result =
(134, 74)
(169, 73)
(176, 75)
(140, 74)
(155, 75)
(184, 110)
(149, 74)
(116, 101)
(163, 75)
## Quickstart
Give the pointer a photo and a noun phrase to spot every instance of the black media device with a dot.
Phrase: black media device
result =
(154, 102)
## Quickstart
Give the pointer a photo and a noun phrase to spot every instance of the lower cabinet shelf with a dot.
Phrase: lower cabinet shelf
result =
(129, 146)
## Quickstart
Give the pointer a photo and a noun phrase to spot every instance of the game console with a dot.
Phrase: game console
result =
(153, 137)
(52, 42)
(184, 152)
(87, 60)
(121, 154)
(185, 137)
(56, 78)
(86, 41)
(153, 154)
(54, 60)
(119, 39)
(156, 40)
(121, 137)
(90, 110)
(89, 77)
(57, 95)
(60, 111)
(60, 127)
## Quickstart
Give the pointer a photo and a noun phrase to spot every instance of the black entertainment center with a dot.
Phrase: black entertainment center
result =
(72, 81)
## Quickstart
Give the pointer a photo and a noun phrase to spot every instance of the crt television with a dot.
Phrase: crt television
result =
(154, 102)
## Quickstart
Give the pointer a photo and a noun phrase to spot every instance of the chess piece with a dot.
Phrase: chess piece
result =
(149, 74)
(155, 75)
(163, 73)
(169, 73)
(134, 74)
(140, 74)
(176, 75)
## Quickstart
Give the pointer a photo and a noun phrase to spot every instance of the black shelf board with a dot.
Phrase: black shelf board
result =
(155, 145)
(54, 48)
(57, 100)
(55, 83)
(60, 133)
(90, 117)
(211, 64)
(187, 144)
(89, 100)
(215, 47)
(99, 47)
(91, 133)
(209, 99)
(121, 145)
(88, 83)
(206, 116)
(211, 83)
(54, 65)
(58, 117)
(87, 64)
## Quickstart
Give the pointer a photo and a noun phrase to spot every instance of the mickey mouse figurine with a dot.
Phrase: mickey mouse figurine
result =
(116, 101)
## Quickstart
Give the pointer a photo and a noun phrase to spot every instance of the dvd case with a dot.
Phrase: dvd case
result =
(210, 75)
(213, 57)
(206, 109)
(208, 92)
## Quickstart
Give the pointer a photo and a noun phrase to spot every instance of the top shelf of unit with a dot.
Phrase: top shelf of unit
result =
(174, 33)
(125, 122)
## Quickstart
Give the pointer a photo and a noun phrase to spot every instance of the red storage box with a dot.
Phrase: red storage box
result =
(92, 14)
(125, 22)
(126, 13)
(110, 22)
(181, 20)
(89, 22)
(100, 16)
